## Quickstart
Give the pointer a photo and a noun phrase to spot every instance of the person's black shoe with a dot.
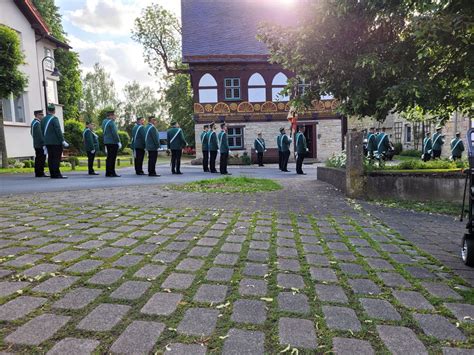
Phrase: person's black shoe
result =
(179, 173)
(141, 173)
(154, 175)
(214, 172)
(301, 173)
(59, 177)
(113, 175)
(173, 172)
(286, 171)
(94, 173)
(262, 165)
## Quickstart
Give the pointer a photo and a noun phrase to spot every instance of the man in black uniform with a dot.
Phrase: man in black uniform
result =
(213, 147)
(205, 148)
(38, 144)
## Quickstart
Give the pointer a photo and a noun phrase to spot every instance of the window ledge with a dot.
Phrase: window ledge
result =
(15, 124)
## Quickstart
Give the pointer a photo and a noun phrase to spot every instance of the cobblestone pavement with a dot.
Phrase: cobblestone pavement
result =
(144, 269)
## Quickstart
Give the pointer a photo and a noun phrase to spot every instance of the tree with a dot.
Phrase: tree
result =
(378, 56)
(67, 62)
(12, 80)
(98, 92)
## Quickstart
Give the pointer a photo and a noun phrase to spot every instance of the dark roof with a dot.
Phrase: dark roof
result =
(225, 30)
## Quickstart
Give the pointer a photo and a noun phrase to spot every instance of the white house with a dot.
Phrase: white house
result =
(37, 43)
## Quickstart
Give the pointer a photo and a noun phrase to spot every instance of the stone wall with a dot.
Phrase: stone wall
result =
(329, 138)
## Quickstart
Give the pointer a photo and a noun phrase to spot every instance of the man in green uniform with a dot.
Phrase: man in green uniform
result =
(38, 144)
(54, 142)
(152, 144)
(285, 143)
(383, 144)
(427, 147)
(176, 143)
(91, 145)
(438, 141)
(138, 145)
(301, 149)
(223, 142)
(457, 147)
(112, 143)
(205, 148)
(371, 143)
(213, 147)
(259, 146)
(280, 152)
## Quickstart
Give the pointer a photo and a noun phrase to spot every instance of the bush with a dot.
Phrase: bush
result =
(74, 160)
(246, 160)
(124, 139)
(64, 164)
(28, 163)
(189, 151)
(73, 135)
(337, 160)
(126, 151)
(411, 153)
(398, 147)
(11, 161)
(432, 164)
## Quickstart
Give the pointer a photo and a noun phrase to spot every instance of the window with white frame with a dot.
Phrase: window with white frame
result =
(279, 82)
(257, 89)
(407, 133)
(13, 109)
(207, 89)
(303, 87)
(48, 63)
(235, 137)
(232, 88)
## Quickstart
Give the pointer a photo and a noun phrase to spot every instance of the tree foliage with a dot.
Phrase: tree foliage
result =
(382, 56)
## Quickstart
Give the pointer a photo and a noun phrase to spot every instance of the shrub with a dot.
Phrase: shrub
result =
(337, 160)
(73, 135)
(432, 164)
(18, 165)
(246, 160)
(398, 147)
(411, 153)
(64, 164)
(11, 161)
(74, 160)
(126, 151)
(28, 163)
(124, 139)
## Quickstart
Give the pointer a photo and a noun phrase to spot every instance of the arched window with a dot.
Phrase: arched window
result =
(207, 89)
(257, 89)
(278, 84)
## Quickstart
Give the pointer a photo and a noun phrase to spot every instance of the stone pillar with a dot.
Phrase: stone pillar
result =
(355, 178)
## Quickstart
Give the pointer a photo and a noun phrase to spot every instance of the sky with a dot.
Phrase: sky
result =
(100, 31)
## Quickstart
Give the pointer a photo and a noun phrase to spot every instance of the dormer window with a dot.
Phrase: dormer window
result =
(232, 88)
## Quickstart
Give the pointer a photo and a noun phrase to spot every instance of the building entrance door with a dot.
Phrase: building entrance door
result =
(310, 135)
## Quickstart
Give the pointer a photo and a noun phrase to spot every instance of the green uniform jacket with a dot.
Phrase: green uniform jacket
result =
(91, 141)
(37, 134)
(382, 143)
(371, 142)
(110, 132)
(152, 141)
(176, 140)
(301, 146)
(279, 142)
(52, 134)
(212, 141)
(457, 147)
(205, 141)
(427, 146)
(223, 142)
(438, 141)
(259, 145)
(285, 143)
(138, 137)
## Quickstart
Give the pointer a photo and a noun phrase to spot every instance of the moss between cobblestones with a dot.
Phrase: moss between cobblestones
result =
(229, 184)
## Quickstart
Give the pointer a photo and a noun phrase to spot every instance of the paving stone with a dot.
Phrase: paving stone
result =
(290, 281)
(211, 293)
(320, 260)
(260, 245)
(379, 264)
(438, 327)
(74, 346)
(337, 246)
(226, 259)
(352, 269)
(178, 281)
(364, 286)
(68, 255)
(419, 272)
(252, 287)
(124, 242)
(341, 318)
(368, 252)
(244, 342)
(190, 264)
(231, 248)
(166, 257)
(128, 260)
(185, 349)
(298, 333)
(393, 280)
(106, 277)
(56, 284)
(400, 340)
(289, 302)
(412, 299)
(331, 293)
(402, 258)
(104, 317)
(288, 264)
(37, 330)
(346, 346)
(236, 238)
(309, 239)
(162, 303)
(219, 274)
(284, 242)
(131, 290)
(13, 251)
(344, 255)
(150, 271)
(5, 272)
(379, 309)
(210, 242)
(441, 290)
(29, 259)
(20, 307)
(463, 312)
(52, 248)
(456, 351)
(198, 322)
(84, 266)
(249, 311)
(390, 248)
(91, 244)
(253, 269)
(139, 338)
(287, 252)
(40, 269)
(107, 252)
(323, 274)
(77, 298)
(257, 255)
(9, 287)
(311, 248)
(200, 251)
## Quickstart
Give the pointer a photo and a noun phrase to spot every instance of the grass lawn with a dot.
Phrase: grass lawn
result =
(438, 207)
(229, 185)
(404, 158)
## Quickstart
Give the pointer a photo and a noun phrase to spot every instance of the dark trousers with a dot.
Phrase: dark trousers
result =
(280, 160)
(223, 163)
(112, 150)
(40, 159)
(426, 157)
(176, 160)
(212, 161)
(299, 163)
(139, 156)
(55, 153)
(436, 154)
(205, 160)
(456, 157)
(152, 156)
(90, 162)
(285, 156)
(260, 158)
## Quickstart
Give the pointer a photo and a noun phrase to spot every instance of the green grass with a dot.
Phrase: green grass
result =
(404, 158)
(438, 207)
(420, 170)
(230, 185)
